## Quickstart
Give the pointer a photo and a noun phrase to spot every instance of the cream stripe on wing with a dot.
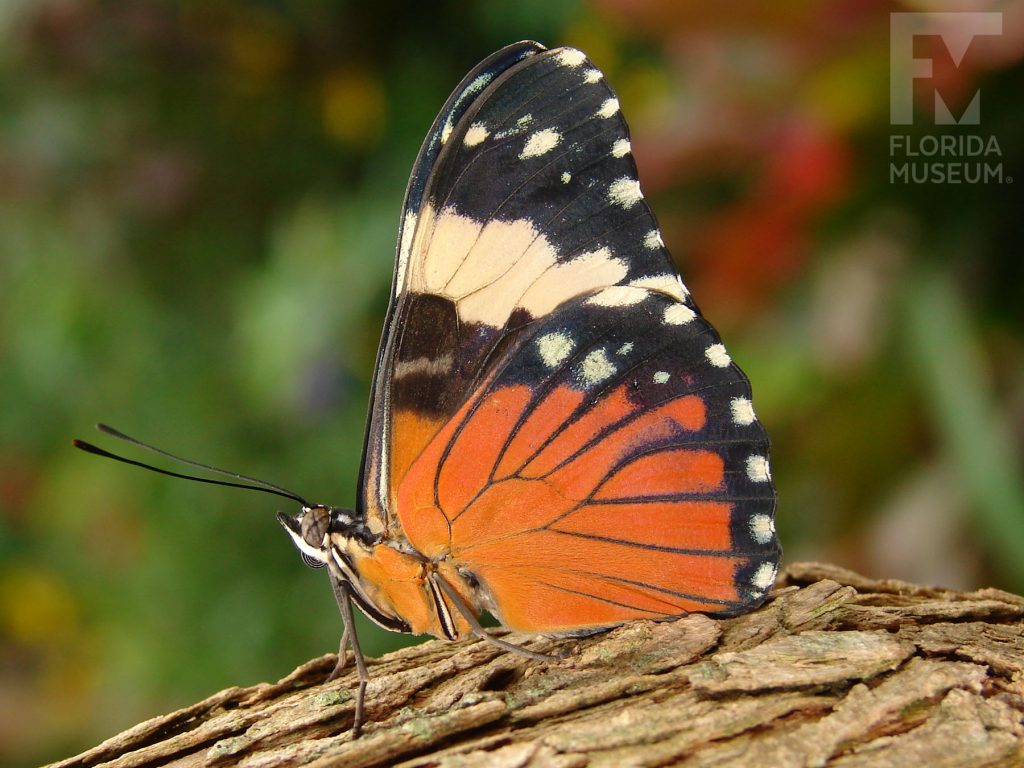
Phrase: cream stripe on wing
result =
(450, 242)
(497, 249)
(490, 269)
(562, 282)
(495, 302)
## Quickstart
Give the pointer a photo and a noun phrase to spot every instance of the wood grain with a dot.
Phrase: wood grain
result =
(835, 670)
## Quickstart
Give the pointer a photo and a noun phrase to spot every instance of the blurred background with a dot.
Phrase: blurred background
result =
(198, 208)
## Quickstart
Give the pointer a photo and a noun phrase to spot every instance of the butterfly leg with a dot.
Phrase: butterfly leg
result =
(342, 656)
(344, 599)
(482, 633)
(357, 653)
(341, 597)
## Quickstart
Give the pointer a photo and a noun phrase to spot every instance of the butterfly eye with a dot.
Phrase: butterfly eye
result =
(312, 562)
(315, 523)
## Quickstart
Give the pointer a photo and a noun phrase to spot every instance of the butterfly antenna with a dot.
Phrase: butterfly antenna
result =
(256, 483)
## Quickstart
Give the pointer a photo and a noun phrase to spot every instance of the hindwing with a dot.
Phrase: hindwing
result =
(610, 468)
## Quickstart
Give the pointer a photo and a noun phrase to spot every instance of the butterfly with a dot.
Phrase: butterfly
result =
(556, 435)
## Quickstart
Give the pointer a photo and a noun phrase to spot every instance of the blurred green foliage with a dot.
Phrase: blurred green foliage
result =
(198, 206)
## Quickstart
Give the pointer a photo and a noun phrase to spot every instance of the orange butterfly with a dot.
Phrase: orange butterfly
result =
(556, 434)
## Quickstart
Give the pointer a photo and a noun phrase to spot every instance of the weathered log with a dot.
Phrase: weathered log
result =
(836, 669)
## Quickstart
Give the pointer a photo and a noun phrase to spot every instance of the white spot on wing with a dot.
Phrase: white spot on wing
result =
(764, 576)
(625, 349)
(762, 529)
(742, 411)
(476, 134)
(661, 377)
(472, 88)
(670, 285)
(540, 143)
(625, 192)
(570, 57)
(757, 469)
(717, 356)
(566, 177)
(593, 75)
(621, 148)
(609, 108)
(618, 296)
(555, 347)
(678, 314)
(595, 368)
(653, 240)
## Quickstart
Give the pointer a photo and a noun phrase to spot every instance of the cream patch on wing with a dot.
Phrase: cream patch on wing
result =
(494, 302)
(762, 529)
(609, 108)
(489, 270)
(561, 282)
(625, 192)
(476, 134)
(555, 348)
(742, 411)
(408, 230)
(653, 240)
(493, 250)
(670, 285)
(595, 368)
(765, 575)
(618, 296)
(540, 143)
(471, 89)
(570, 57)
(678, 314)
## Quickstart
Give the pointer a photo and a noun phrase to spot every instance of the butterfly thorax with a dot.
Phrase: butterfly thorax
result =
(393, 584)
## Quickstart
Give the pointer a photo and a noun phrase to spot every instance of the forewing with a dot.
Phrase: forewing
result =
(610, 468)
(524, 197)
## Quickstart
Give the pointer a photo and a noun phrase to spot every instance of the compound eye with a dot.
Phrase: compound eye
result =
(312, 562)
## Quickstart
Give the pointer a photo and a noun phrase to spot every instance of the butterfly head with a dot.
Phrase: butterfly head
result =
(316, 528)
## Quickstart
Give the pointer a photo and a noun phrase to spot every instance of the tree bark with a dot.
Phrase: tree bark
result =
(835, 669)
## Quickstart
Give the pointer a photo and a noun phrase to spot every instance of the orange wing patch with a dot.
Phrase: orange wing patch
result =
(573, 437)
(477, 445)
(666, 473)
(587, 583)
(579, 467)
(412, 433)
(543, 539)
(454, 468)
(545, 420)
(505, 510)
(692, 525)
